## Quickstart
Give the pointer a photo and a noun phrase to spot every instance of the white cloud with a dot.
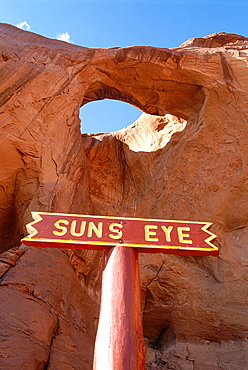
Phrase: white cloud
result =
(64, 36)
(24, 26)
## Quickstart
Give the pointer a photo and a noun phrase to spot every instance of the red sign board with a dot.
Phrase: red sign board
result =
(58, 230)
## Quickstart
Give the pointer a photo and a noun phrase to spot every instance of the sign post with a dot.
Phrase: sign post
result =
(119, 342)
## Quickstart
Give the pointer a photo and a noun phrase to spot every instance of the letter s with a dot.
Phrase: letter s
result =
(62, 228)
(112, 227)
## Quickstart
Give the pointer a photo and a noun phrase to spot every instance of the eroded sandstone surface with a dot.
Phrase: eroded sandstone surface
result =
(184, 158)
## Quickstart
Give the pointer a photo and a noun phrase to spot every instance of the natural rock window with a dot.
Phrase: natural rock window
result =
(107, 116)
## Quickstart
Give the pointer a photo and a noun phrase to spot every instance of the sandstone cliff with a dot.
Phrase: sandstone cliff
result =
(186, 158)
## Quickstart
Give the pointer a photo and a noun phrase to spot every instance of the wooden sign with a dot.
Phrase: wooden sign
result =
(101, 233)
(119, 342)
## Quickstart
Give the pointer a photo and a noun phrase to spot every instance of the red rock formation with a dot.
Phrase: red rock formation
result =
(195, 308)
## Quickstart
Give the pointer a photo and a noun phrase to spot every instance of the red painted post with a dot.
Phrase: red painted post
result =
(119, 342)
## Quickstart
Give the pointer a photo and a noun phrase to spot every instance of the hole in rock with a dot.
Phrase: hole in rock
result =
(107, 116)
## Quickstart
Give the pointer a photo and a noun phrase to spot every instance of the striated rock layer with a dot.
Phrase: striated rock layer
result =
(186, 158)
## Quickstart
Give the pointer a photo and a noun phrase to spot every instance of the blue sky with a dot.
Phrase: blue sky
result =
(104, 23)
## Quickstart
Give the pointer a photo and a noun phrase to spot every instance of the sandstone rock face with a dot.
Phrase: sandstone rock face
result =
(186, 158)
